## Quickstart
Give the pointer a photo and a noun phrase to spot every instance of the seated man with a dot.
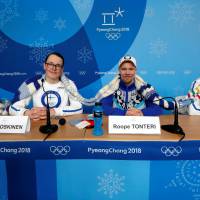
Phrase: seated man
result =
(60, 100)
(130, 95)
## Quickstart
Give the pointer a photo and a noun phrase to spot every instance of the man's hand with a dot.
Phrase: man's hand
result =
(36, 113)
(134, 112)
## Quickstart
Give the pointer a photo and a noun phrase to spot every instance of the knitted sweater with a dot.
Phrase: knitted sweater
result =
(126, 97)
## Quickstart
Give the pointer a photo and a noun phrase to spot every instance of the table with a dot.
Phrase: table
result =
(73, 164)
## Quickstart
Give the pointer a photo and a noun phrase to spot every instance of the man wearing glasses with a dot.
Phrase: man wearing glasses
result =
(44, 90)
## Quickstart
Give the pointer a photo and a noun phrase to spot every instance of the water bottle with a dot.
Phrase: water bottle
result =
(98, 119)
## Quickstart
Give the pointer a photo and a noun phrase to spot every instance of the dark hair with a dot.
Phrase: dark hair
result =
(57, 54)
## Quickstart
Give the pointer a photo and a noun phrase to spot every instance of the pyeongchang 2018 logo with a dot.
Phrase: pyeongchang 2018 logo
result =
(171, 151)
(110, 26)
(60, 150)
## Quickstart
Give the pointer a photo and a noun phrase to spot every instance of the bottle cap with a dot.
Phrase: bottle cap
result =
(98, 104)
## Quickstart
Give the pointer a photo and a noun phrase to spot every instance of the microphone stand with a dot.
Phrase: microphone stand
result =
(174, 128)
(48, 128)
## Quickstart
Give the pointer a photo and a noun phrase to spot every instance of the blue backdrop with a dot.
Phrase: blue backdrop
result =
(93, 35)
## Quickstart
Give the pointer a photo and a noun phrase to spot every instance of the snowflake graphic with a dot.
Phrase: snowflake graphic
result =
(41, 16)
(60, 24)
(181, 12)
(83, 4)
(39, 50)
(111, 183)
(187, 176)
(8, 11)
(158, 48)
(149, 12)
(84, 55)
(3, 44)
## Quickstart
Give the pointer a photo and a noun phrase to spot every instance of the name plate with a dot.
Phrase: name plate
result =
(133, 125)
(14, 124)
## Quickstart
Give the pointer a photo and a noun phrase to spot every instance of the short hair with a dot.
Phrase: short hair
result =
(57, 54)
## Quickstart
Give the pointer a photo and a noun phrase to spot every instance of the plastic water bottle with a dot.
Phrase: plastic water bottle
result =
(98, 119)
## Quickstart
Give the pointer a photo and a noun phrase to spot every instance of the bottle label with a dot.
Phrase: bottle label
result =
(98, 114)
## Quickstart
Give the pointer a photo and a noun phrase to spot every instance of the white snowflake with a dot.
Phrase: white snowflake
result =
(83, 4)
(40, 49)
(181, 12)
(149, 12)
(41, 15)
(8, 11)
(3, 44)
(158, 48)
(111, 183)
(60, 24)
(84, 55)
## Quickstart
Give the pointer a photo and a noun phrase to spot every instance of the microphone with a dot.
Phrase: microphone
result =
(173, 128)
(62, 121)
(48, 128)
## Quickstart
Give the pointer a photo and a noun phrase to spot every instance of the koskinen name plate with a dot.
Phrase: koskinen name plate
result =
(133, 125)
(14, 124)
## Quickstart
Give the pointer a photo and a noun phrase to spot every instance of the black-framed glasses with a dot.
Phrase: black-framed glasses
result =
(56, 66)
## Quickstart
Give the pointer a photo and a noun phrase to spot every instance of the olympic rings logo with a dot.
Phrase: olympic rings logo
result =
(171, 151)
(60, 150)
(113, 36)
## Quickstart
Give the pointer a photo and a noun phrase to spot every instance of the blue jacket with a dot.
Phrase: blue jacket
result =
(128, 97)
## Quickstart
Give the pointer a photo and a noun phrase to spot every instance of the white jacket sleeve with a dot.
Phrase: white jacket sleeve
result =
(18, 108)
(74, 107)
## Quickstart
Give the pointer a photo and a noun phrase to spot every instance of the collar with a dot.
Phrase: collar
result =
(123, 86)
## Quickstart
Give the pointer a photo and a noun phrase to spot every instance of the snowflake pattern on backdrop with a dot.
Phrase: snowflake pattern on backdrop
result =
(149, 12)
(111, 184)
(181, 12)
(84, 55)
(8, 11)
(188, 177)
(60, 24)
(158, 48)
(41, 15)
(3, 44)
(39, 50)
